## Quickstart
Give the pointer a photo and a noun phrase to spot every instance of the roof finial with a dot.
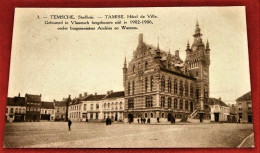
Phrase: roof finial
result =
(188, 44)
(207, 44)
(125, 62)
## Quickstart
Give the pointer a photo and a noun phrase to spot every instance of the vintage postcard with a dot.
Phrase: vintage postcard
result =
(165, 77)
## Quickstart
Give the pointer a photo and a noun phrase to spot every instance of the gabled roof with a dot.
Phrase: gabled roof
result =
(94, 97)
(59, 103)
(246, 96)
(116, 94)
(214, 101)
(47, 105)
(16, 101)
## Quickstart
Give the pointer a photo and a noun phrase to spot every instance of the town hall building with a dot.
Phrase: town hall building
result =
(159, 85)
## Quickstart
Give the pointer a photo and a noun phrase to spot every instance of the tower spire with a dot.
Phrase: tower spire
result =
(125, 63)
(207, 44)
(158, 47)
(188, 44)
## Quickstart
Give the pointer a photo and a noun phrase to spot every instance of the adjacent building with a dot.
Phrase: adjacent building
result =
(60, 110)
(160, 85)
(244, 108)
(113, 105)
(15, 109)
(47, 111)
(33, 107)
(220, 111)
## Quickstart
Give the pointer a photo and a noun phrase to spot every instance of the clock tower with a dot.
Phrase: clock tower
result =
(197, 62)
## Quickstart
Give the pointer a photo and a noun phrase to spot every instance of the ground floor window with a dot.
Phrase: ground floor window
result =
(96, 115)
(91, 115)
(145, 115)
(151, 115)
(162, 115)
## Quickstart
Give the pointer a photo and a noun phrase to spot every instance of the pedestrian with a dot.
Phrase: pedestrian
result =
(148, 120)
(138, 120)
(144, 120)
(158, 120)
(107, 121)
(239, 121)
(87, 119)
(69, 123)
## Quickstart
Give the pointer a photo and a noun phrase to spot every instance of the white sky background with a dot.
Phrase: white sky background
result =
(58, 63)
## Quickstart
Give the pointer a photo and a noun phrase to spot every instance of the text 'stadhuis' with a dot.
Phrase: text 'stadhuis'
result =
(159, 84)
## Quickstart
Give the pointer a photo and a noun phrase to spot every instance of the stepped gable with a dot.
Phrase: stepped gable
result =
(246, 96)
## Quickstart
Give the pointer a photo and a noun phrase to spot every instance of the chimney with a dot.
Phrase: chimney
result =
(140, 38)
(69, 96)
(95, 93)
(40, 95)
(80, 95)
(108, 92)
(177, 53)
(111, 91)
(19, 94)
(85, 94)
(219, 98)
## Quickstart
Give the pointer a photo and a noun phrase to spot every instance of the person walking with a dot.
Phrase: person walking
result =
(138, 120)
(107, 121)
(69, 123)
(158, 120)
(148, 120)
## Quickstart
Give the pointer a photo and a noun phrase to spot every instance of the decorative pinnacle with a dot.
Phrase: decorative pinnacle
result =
(188, 44)
(125, 62)
(207, 44)
(158, 47)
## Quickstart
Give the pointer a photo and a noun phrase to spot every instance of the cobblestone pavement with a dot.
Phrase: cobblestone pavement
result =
(97, 135)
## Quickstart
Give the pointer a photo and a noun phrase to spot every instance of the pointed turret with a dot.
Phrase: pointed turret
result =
(158, 52)
(188, 45)
(125, 65)
(207, 44)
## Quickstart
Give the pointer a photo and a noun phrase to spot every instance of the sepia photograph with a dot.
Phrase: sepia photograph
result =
(146, 77)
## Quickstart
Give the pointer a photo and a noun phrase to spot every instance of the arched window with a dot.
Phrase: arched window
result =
(146, 84)
(149, 101)
(186, 89)
(108, 105)
(175, 103)
(181, 104)
(129, 88)
(151, 115)
(146, 65)
(191, 90)
(145, 115)
(186, 104)
(121, 105)
(169, 102)
(133, 88)
(162, 115)
(130, 103)
(181, 88)
(162, 101)
(116, 105)
(175, 87)
(169, 85)
(151, 84)
(162, 84)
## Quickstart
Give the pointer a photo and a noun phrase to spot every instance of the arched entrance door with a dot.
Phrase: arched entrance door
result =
(169, 116)
(130, 118)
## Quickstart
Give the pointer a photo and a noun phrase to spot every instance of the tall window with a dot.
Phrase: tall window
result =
(186, 104)
(186, 89)
(121, 105)
(191, 90)
(163, 84)
(146, 84)
(149, 101)
(175, 103)
(169, 102)
(162, 101)
(91, 106)
(130, 103)
(146, 65)
(197, 93)
(129, 88)
(133, 68)
(169, 85)
(85, 107)
(175, 87)
(151, 84)
(181, 104)
(105, 106)
(97, 106)
(181, 88)
(205, 93)
(133, 88)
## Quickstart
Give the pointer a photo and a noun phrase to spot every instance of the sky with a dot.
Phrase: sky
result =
(58, 63)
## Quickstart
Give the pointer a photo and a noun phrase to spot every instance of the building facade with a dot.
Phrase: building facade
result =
(113, 106)
(244, 108)
(15, 109)
(33, 107)
(220, 111)
(60, 110)
(47, 111)
(160, 85)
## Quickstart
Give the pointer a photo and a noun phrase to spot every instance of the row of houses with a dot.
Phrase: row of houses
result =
(96, 108)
